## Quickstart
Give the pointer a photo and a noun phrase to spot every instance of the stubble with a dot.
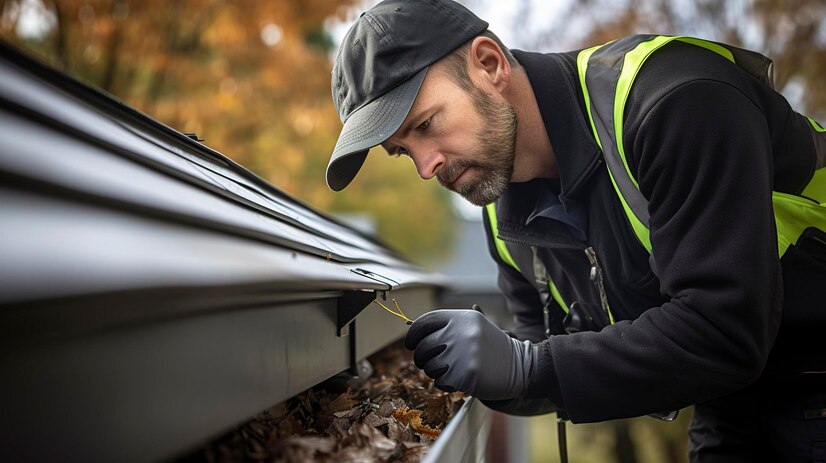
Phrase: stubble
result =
(491, 156)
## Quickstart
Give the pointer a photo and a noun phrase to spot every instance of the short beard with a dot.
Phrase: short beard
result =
(498, 139)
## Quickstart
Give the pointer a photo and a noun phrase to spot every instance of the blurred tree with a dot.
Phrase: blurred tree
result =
(252, 78)
(790, 32)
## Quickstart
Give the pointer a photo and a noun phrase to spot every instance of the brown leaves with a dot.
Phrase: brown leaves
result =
(305, 448)
(393, 416)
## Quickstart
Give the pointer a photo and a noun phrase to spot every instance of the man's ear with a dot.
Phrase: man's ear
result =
(488, 62)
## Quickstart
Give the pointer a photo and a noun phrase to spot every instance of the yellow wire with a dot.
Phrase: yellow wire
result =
(399, 309)
(400, 314)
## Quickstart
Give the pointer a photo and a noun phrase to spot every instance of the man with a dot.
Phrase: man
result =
(655, 208)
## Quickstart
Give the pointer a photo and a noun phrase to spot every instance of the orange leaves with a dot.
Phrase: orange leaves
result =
(413, 418)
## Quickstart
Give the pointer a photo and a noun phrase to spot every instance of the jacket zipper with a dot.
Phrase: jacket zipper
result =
(596, 278)
(595, 273)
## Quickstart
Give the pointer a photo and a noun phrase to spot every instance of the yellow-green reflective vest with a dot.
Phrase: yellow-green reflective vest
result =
(606, 74)
(505, 255)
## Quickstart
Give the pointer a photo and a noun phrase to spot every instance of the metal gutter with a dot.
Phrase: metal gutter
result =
(465, 438)
(98, 123)
(152, 292)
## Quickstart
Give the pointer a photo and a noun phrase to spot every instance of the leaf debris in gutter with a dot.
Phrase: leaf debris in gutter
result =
(393, 416)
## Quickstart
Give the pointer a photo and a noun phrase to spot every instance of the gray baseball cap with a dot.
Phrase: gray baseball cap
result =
(380, 67)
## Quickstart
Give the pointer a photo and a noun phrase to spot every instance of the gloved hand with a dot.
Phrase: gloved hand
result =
(462, 350)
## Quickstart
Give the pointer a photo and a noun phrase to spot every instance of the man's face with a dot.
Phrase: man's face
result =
(464, 138)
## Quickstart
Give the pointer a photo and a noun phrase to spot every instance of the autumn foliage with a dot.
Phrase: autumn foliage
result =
(252, 78)
(790, 32)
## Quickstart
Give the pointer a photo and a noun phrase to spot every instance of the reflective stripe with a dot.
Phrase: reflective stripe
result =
(715, 47)
(600, 70)
(816, 189)
(632, 63)
(505, 255)
(640, 228)
(794, 214)
(816, 126)
(557, 296)
(613, 67)
(581, 65)
(501, 248)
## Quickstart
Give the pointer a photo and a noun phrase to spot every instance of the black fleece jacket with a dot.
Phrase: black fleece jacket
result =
(697, 318)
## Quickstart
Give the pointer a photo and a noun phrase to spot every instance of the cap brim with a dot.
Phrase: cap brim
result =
(369, 126)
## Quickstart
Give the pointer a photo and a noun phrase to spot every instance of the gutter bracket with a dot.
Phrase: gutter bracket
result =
(350, 304)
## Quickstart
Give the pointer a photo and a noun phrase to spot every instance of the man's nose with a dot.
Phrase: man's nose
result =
(428, 163)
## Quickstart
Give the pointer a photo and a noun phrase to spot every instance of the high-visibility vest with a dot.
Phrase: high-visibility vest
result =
(505, 255)
(606, 74)
(548, 289)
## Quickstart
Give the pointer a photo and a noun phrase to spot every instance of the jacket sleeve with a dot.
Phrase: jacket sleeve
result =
(702, 157)
(521, 297)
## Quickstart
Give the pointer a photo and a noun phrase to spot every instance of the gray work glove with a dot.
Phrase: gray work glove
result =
(523, 406)
(463, 351)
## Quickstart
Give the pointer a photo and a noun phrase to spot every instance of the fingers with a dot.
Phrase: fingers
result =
(442, 379)
(435, 371)
(424, 352)
(424, 337)
(424, 326)
(437, 348)
(444, 387)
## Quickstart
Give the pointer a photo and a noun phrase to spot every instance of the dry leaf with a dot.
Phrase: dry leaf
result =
(414, 419)
(341, 403)
(393, 416)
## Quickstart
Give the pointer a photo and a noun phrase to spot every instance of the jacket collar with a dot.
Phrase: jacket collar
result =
(555, 84)
(515, 207)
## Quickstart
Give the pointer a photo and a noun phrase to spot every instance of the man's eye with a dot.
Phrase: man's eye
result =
(424, 125)
(400, 151)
